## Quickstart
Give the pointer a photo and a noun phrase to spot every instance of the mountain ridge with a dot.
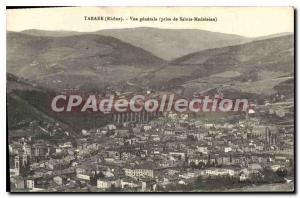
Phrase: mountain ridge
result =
(85, 57)
(273, 56)
(164, 43)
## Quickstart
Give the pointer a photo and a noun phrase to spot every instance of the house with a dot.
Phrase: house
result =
(103, 184)
(19, 183)
(223, 160)
(244, 174)
(218, 172)
(254, 168)
(179, 155)
(107, 183)
(41, 149)
(227, 149)
(139, 172)
(128, 182)
(58, 180)
(66, 145)
(142, 170)
(196, 160)
(111, 127)
(83, 176)
(85, 132)
(275, 167)
(202, 149)
(122, 132)
(85, 172)
(147, 127)
(30, 184)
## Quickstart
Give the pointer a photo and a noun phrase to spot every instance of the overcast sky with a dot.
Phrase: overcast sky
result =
(245, 21)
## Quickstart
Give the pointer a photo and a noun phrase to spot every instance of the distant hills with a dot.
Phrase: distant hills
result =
(76, 59)
(254, 67)
(60, 60)
(187, 62)
(269, 54)
(173, 43)
(108, 50)
(49, 33)
(164, 43)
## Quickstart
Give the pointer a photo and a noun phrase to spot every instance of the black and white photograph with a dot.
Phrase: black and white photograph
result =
(150, 99)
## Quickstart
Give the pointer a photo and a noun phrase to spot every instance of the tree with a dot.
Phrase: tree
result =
(199, 182)
(281, 172)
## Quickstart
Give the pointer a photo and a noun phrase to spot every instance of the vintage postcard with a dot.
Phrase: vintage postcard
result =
(150, 99)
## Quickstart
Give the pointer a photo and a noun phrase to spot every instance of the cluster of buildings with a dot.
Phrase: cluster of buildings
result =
(151, 154)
